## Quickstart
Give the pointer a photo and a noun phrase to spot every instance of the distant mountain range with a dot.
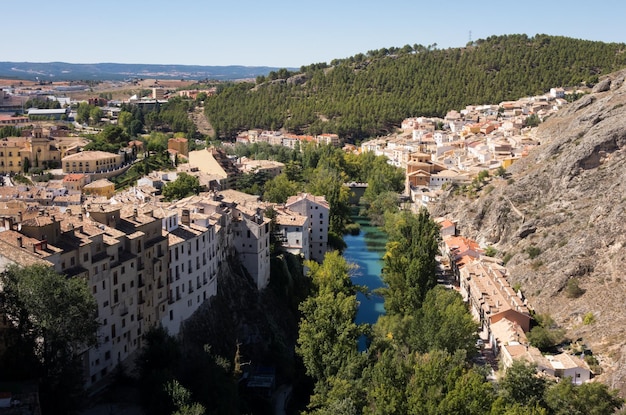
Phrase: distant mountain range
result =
(61, 71)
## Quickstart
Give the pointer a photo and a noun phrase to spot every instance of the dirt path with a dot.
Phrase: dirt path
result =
(202, 124)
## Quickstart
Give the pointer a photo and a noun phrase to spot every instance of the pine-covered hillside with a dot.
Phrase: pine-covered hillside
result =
(369, 94)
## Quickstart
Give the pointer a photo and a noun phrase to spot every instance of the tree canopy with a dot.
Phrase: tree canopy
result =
(52, 319)
(184, 185)
(369, 94)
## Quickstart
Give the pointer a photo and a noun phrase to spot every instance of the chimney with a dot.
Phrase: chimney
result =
(20, 241)
(80, 217)
(185, 217)
(19, 217)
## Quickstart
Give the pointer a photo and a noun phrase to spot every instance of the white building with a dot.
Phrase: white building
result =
(252, 242)
(316, 208)
(292, 229)
(192, 268)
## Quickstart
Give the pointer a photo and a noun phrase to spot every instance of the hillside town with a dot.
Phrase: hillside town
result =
(149, 262)
(504, 314)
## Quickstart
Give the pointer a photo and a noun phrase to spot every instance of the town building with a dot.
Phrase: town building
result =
(215, 162)
(316, 208)
(292, 231)
(92, 162)
(180, 145)
(268, 167)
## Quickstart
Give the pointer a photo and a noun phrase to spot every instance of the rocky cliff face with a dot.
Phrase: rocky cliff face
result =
(565, 202)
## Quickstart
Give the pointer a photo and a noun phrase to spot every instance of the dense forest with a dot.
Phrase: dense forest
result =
(368, 94)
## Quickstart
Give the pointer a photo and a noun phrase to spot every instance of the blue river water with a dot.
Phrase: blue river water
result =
(366, 251)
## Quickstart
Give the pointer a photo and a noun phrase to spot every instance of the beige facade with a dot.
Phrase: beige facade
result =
(180, 145)
(92, 162)
(35, 150)
(215, 162)
(101, 187)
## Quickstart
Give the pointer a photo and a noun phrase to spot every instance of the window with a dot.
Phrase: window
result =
(95, 289)
(321, 215)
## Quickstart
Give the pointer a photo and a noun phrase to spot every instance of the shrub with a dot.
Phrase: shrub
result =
(491, 251)
(353, 229)
(507, 257)
(533, 251)
(535, 265)
(572, 289)
(589, 318)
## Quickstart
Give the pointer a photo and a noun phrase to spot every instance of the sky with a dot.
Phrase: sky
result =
(279, 33)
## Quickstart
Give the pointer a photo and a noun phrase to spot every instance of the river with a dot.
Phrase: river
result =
(366, 250)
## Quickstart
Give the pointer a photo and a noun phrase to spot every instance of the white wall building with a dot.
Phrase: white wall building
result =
(317, 210)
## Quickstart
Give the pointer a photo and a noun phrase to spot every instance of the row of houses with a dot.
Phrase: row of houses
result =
(279, 138)
(155, 263)
(503, 314)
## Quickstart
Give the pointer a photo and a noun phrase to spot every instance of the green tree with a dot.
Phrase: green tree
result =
(52, 317)
(520, 385)
(546, 334)
(156, 366)
(83, 112)
(184, 185)
(278, 189)
(410, 265)
(328, 335)
(124, 119)
(444, 323)
(328, 182)
(95, 114)
(592, 398)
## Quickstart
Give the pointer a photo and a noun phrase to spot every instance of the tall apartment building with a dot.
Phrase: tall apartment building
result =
(146, 265)
(316, 208)
(193, 264)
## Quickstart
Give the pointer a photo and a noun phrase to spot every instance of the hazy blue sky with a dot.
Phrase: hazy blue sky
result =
(279, 33)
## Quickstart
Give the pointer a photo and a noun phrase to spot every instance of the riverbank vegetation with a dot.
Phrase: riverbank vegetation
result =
(419, 355)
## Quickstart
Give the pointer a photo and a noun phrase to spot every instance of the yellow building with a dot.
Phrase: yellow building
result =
(92, 162)
(101, 187)
(180, 145)
(37, 150)
(10, 159)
